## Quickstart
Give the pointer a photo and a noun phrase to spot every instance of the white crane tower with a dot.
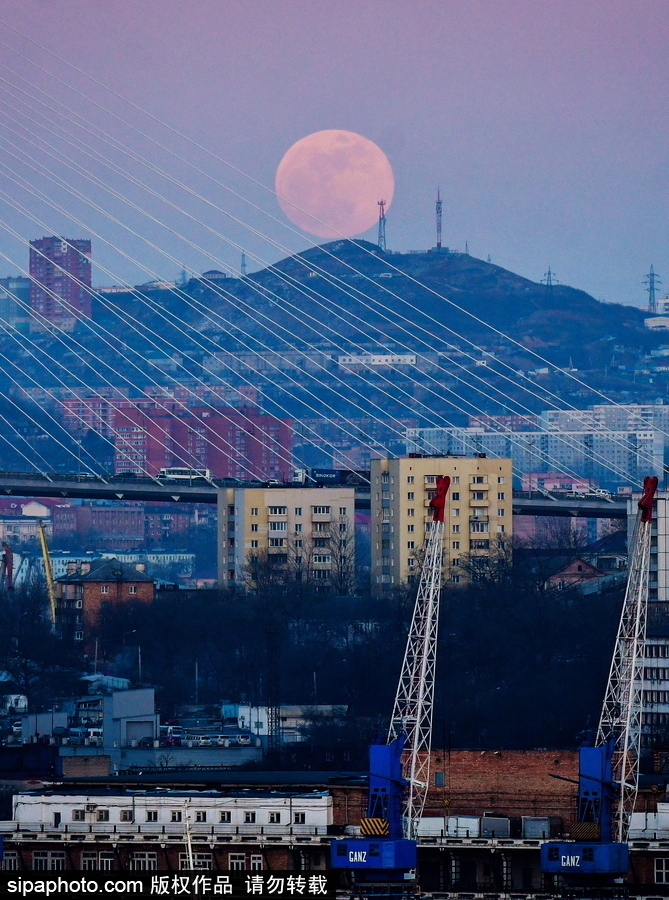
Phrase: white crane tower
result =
(414, 701)
(621, 712)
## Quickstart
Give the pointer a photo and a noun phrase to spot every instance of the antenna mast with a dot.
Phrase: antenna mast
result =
(243, 268)
(382, 226)
(438, 207)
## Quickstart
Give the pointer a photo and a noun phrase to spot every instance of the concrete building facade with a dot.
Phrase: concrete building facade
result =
(478, 518)
(608, 457)
(308, 528)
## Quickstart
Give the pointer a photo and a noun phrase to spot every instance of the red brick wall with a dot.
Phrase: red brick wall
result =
(118, 592)
(504, 782)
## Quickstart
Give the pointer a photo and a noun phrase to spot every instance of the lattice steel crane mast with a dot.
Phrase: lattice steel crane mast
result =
(620, 720)
(414, 701)
(385, 854)
(609, 771)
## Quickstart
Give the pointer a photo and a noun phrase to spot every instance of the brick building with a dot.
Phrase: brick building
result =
(84, 593)
(230, 443)
(60, 270)
(120, 527)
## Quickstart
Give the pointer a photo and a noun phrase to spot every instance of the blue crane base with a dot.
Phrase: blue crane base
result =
(382, 854)
(580, 858)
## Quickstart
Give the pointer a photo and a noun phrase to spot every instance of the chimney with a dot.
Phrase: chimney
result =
(140, 567)
(85, 568)
(71, 568)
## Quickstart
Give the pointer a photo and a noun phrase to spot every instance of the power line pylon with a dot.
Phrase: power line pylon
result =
(438, 209)
(382, 226)
(652, 281)
(549, 280)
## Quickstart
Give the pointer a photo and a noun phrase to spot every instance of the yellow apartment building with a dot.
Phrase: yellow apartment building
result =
(312, 528)
(478, 517)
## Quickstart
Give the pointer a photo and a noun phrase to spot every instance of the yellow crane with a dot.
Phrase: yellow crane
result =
(48, 571)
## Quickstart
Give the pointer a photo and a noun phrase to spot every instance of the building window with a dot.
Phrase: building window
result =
(201, 815)
(78, 635)
(455, 513)
(91, 861)
(236, 862)
(102, 815)
(320, 510)
(126, 815)
(411, 512)
(410, 479)
(455, 545)
(298, 510)
(501, 495)
(455, 579)
(478, 479)
(662, 869)
(254, 510)
(256, 862)
(143, 862)
(501, 512)
(10, 862)
(411, 495)
(78, 815)
(411, 545)
(200, 861)
(175, 815)
(455, 496)
(226, 818)
(276, 542)
(277, 526)
(501, 480)
(152, 815)
(501, 529)
(254, 527)
(439, 780)
(132, 589)
(456, 529)
(299, 818)
(298, 528)
(254, 545)
(104, 589)
(275, 818)
(249, 818)
(48, 860)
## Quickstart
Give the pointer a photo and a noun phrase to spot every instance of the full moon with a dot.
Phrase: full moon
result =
(330, 183)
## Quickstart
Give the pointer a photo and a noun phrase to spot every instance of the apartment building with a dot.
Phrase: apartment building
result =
(60, 288)
(610, 458)
(478, 516)
(309, 528)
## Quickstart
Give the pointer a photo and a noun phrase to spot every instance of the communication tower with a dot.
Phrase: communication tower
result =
(652, 281)
(382, 226)
(243, 267)
(438, 208)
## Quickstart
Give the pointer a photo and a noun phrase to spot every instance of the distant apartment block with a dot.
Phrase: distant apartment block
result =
(478, 519)
(366, 360)
(230, 443)
(607, 457)
(305, 529)
(15, 302)
(614, 417)
(60, 289)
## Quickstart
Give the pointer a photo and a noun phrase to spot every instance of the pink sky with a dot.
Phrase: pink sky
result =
(544, 123)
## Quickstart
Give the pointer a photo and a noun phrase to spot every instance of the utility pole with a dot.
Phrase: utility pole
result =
(382, 226)
(438, 208)
(652, 281)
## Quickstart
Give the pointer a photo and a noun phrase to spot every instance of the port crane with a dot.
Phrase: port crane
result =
(384, 856)
(609, 772)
